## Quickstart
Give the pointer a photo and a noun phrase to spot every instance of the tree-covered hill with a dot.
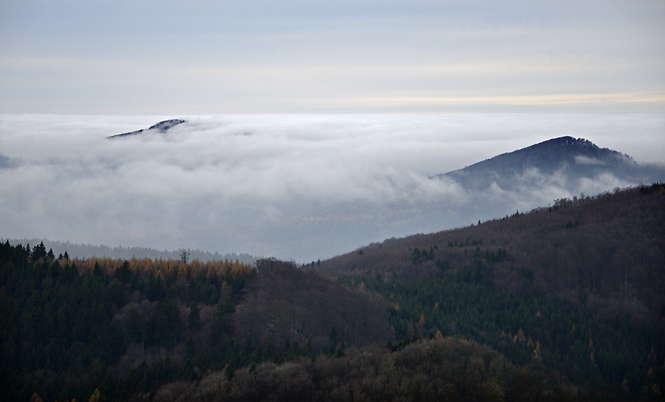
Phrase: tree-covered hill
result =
(70, 326)
(285, 304)
(560, 303)
(605, 254)
(124, 328)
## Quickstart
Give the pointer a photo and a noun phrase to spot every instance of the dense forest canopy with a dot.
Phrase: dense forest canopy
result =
(560, 303)
(605, 253)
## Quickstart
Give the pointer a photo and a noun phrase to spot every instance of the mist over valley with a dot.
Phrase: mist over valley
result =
(302, 187)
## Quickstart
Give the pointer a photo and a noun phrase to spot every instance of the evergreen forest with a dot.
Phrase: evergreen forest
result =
(565, 302)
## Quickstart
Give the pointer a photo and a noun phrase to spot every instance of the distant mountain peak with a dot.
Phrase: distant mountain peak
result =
(565, 149)
(578, 157)
(159, 128)
(569, 141)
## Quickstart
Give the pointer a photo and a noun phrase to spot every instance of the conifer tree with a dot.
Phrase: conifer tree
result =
(194, 318)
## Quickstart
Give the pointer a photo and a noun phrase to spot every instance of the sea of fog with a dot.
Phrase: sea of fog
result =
(293, 186)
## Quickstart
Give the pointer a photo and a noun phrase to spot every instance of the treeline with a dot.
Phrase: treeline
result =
(70, 327)
(117, 331)
(524, 325)
(84, 251)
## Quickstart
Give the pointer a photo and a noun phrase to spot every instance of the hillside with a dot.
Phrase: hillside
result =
(287, 304)
(572, 159)
(561, 303)
(70, 326)
(606, 253)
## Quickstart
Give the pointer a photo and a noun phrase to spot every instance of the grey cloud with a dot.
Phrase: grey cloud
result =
(8, 163)
(584, 160)
(295, 186)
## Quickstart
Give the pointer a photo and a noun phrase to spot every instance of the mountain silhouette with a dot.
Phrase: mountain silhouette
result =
(569, 157)
(159, 128)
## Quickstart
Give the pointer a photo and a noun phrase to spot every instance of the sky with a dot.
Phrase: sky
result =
(121, 57)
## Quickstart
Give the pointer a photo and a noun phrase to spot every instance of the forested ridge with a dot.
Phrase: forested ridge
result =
(71, 326)
(512, 309)
(605, 253)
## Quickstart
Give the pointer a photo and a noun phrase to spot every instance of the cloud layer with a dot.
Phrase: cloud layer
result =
(238, 183)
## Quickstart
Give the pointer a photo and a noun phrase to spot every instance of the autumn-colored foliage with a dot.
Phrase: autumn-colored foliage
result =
(520, 336)
(538, 351)
(96, 396)
(166, 269)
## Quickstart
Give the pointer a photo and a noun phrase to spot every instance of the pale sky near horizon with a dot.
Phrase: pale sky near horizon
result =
(218, 57)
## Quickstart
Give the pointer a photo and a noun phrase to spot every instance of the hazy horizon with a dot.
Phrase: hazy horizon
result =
(210, 57)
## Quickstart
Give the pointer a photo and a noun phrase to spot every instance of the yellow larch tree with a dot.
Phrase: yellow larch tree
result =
(520, 336)
(182, 271)
(537, 351)
(96, 396)
(421, 322)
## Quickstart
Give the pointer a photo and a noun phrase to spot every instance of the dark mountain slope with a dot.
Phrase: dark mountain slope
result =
(287, 304)
(573, 158)
(159, 128)
(605, 253)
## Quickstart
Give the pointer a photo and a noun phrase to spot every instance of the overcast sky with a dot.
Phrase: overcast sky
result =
(302, 56)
